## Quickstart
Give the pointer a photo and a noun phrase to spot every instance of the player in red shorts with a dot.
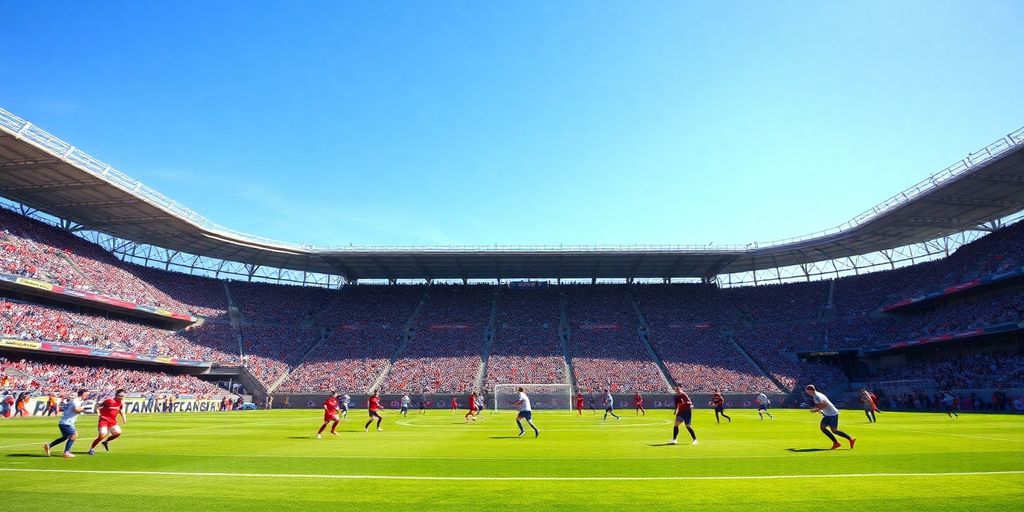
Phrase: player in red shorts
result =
(473, 407)
(330, 414)
(454, 404)
(374, 407)
(579, 404)
(638, 402)
(109, 411)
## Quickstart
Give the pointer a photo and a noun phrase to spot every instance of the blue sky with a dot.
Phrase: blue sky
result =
(529, 123)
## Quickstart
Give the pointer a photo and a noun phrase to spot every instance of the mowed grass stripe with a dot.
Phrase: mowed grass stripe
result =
(502, 478)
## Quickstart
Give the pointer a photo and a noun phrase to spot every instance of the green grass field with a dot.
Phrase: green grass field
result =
(270, 460)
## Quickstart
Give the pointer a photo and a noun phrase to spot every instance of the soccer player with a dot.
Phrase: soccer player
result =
(609, 405)
(762, 406)
(719, 404)
(345, 402)
(330, 415)
(110, 409)
(947, 404)
(638, 402)
(374, 408)
(829, 417)
(684, 415)
(67, 425)
(472, 407)
(579, 404)
(423, 404)
(455, 404)
(869, 405)
(525, 413)
(406, 401)
(51, 405)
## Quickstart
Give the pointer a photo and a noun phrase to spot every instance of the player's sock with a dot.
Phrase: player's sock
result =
(68, 445)
(770, 415)
(368, 423)
(830, 436)
(57, 441)
(95, 442)
(334, 427)
(675, 432)
(378, 422)
(322, 427)
(842, 434)
(692, 433)
(726, 417)
(521, 429)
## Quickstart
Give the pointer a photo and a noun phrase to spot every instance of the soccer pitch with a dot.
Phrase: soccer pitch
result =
(271, 460)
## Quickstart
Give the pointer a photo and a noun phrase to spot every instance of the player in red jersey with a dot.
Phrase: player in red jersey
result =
(684, 415)
(374, 407)
(638, 402)
(473, 407)
(579, 403)
(330, 415)
(719, 404)
(454, 404)
(109, 410)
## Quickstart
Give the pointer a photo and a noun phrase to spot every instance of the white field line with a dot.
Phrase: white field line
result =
(501, 478)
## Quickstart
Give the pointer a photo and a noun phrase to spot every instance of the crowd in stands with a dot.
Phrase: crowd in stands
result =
(349, 360)
(270, 351)
(279, 303)
(780, 302)
(526, 346)
(444, 355)
(969, 371)
(605, 344)
(366, 323)
(24, 375)
(859, 295)
(702, 360)
(202, 296)
(33, 249)
(48, 323)
(684, 303)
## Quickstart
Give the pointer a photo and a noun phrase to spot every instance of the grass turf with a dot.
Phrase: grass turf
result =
(271, 460)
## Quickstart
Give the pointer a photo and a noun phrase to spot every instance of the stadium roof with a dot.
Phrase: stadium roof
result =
(46, 173)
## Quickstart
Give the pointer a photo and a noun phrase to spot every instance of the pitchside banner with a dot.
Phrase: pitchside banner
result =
(135, 405)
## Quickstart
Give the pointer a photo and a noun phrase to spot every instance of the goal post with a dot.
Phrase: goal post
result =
(542, 396)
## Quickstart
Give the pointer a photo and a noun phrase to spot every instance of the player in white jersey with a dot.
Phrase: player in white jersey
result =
(762, 406)
(829, 417)
(406, 402)
(525, 413)
(68, 432)
(609, 405)
(345, 401)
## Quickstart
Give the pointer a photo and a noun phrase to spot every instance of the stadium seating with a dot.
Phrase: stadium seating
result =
(270, 351)
(526, 346)
(971, 371)
(444, 356)
(46, 323)
(605, 344)
(34, 376)
(33, 249)
(366, 323)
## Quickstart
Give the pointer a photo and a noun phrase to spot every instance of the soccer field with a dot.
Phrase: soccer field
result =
(229, 461)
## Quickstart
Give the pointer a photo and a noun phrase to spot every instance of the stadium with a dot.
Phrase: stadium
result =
(909, 317)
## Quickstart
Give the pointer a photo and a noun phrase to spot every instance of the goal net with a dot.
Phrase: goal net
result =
(542, 396)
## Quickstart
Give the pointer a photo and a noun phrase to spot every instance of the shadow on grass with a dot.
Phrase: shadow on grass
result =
(505, 437)
(41, 455)
(804, 450)
(662, 444)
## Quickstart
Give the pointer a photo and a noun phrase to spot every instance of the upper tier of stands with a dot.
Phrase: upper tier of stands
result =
(345, 339)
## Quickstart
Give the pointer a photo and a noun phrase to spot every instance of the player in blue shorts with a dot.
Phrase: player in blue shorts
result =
(68, 432)
(525, 413)
(684, 415)
(762, 406)
(829, 417)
